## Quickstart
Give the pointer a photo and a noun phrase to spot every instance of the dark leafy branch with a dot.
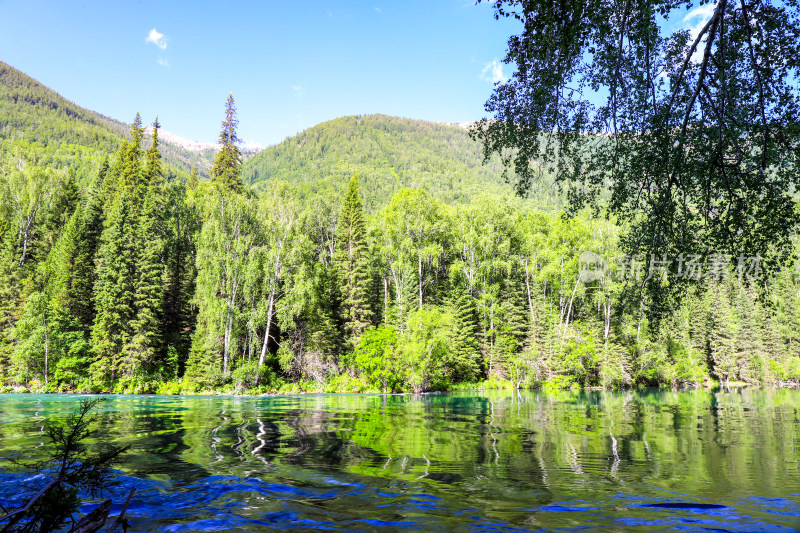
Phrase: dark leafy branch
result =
(697, 154)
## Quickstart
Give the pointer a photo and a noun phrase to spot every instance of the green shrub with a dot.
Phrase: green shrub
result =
(349, 384)
(424, 349)
(376, 359)
(250, 375)
(558, 383)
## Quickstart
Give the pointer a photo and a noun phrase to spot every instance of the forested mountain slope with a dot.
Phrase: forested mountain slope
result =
(65, 135)
(387, 154)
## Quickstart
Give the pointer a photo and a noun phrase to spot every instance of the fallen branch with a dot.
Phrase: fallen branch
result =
(120, 518)
(93, 521)
(22, 510)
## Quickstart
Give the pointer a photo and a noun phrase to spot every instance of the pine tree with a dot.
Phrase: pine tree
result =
(226, 171)
(146, 343)
(114, 293)
(154, 176)
(193, 180)
(118, 286)
(722, 336)
(748, 340)
(352, 266)
(130, 166)
(179, 275)
(84, 275)
(465, 350)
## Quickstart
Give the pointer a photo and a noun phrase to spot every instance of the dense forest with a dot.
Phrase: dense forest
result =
(358, 264)
(388, 154)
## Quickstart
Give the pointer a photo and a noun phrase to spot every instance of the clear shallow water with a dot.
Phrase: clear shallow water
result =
(495, 461)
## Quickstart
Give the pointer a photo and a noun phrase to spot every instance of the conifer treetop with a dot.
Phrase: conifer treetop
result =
(228, 161)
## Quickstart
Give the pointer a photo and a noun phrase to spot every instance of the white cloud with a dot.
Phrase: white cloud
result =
(164, 62)
(298, 91)
(157, 39)
(377, 9)
(700, 15)
(493, 72)
(694, 21)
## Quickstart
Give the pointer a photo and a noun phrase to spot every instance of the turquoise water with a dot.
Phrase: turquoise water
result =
(495, 461)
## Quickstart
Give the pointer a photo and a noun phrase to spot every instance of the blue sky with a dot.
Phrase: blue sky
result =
(290, 65)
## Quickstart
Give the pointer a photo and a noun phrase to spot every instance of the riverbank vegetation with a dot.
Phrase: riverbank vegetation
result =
(140, 281)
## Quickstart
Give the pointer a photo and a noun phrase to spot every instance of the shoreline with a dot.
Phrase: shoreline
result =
(710, 386)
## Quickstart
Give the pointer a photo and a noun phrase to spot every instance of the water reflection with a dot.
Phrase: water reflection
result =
(632, 460)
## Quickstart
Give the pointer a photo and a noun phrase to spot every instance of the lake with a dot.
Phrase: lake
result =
(469, 461)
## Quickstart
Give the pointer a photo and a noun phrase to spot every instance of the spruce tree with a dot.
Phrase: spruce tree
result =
(352, 266)
(61, 337)
(722, 336)
(536, 339)
(748, 341)
(782, 329)
(63, 263)
(118, 267)
(84, 274)
(130, 164)
(193, 180)
(114, 293)
(515, 314)
(179, 274)
(323, 323)
(465, 350)
(9, 297)
(202, 364)
(65, 200)
(146, 343)
(154, 176)
(226, 171)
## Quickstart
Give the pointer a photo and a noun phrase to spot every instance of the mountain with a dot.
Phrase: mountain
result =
(386, 153)
(65, 135)
(177, 140)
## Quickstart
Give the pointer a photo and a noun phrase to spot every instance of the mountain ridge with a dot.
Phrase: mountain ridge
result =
(34, 116)
(387, 154)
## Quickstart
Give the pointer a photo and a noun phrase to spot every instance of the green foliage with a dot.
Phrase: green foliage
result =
(665, 114)
(352, 266)
(425, 349)
(71, 467)
(387, 154)
(138, 282)
(228, 161)
(377, 359)
(465, 359)
(37, 120)
(250, 375)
